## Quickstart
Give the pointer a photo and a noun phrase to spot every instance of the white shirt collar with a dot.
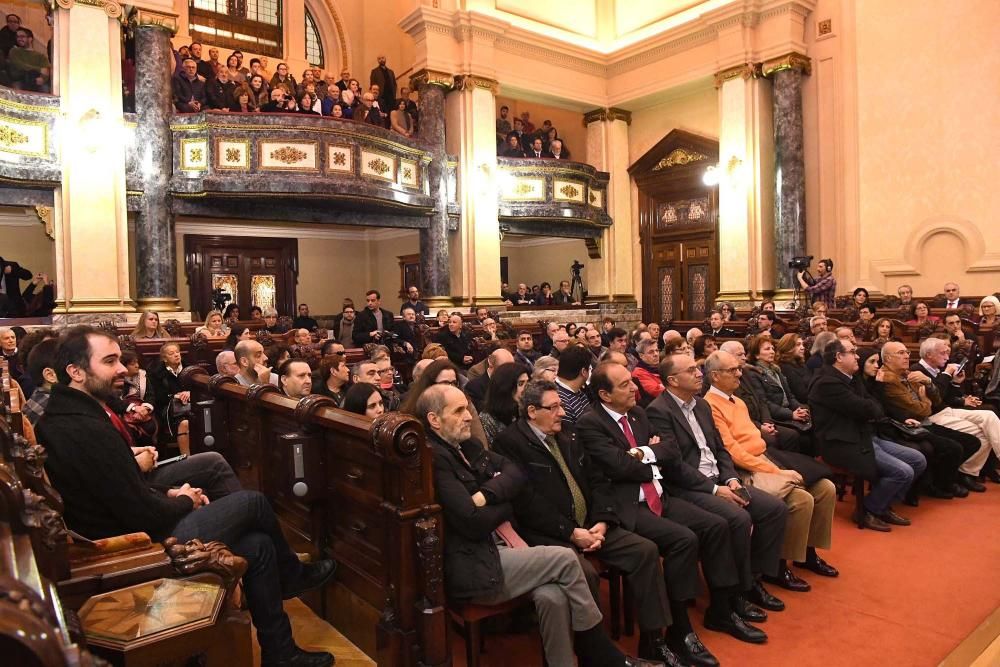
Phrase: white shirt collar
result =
(617, 416)
(715, 390)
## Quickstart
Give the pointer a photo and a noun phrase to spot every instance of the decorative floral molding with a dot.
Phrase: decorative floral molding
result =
(679, 156)
(288, 155)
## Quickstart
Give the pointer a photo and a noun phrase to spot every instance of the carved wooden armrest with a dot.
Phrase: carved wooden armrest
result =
(195, 556)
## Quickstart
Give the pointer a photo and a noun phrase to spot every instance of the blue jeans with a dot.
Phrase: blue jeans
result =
(897, 467)
(245, 522)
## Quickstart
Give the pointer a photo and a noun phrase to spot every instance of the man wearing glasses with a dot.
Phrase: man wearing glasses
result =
(568, 502)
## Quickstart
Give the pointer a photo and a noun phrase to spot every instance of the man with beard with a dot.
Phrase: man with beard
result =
(252, 361)
(86, 442)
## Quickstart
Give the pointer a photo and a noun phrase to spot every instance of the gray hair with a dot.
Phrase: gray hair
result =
(269, 312)
(219, 361)
(356, 368)
(533, 392)
(643, 346)
(714, 361)
(692, 334)
(420, 366)
(543, 364)
(929, 345)
(732, 347)
(822, 339)
(433, 399)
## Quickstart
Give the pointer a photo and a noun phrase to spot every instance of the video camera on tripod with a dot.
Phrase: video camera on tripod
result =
(802, 264)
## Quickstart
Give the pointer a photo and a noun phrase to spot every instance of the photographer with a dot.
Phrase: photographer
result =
(373, 322)
(824, 288)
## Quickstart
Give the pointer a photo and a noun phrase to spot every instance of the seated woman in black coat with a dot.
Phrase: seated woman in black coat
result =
(502, 397)
(773, 385)
(791, 352)
(172, 403)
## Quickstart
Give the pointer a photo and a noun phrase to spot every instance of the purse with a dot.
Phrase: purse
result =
(908, 432)
(768, 482)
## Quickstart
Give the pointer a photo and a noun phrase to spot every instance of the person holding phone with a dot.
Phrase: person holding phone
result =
(705, 475)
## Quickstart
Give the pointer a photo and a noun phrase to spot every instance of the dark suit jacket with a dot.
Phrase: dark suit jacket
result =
(844, 418)
(942, 392)
(562, 299)
(476, 389)
(15, 300)
(724, 332)
(669, 422)
(471, 559)
(457, 347)
(364, 324)
(544, 507)
(607, 447)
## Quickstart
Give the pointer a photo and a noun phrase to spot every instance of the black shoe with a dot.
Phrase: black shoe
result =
(760, 597)
(894, 519)
(692, 652)
(748, 611)
(313, 576)
(970, 482)
(303, 658)
(936, 492)
(872, 522)
(735, 626)
(819, 566)
(911, 500)
(959, 491)
(660, 653)
(787, 580)
(992, 476)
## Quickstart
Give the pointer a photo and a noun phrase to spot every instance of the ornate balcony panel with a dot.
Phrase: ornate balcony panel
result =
(291, 161)
(555, 198)
(29, 140)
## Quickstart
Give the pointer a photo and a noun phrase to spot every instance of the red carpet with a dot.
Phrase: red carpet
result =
(905, 598)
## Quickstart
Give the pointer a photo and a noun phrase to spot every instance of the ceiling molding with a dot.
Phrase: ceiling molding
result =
(282, 230)
(533, 241)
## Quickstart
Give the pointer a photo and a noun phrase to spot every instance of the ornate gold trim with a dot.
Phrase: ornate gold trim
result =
(288, 153)
(45, 214)
(341, 35)
(679, 156)
(788, 61)
(14, 137)
(158, 303)
(388, 203)
(745, 71)
(472, 81)
(21, 106)
(607, 114)
(156, 19)
(221, 158)
(431, 77)
(387, 175)
(197, 144)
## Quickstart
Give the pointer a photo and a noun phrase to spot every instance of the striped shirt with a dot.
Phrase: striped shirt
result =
(575, 403)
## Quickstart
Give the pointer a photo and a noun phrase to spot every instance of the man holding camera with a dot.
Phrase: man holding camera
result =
(824, 288)
(374, 322)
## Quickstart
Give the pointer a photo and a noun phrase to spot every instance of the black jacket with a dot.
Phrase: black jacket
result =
(844, 417)
(92, 467)
(544, 507)
(942, 392)
(457, 347)
(163, 384)
(724, 332)
(475, 389)
(471, 559)
(364, 324)
(15, 300)
(773, 393)
(562, 299)
(607, 447)
(798, 377)
(669, 422)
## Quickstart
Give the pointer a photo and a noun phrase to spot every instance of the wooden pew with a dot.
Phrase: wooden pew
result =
(346, 487)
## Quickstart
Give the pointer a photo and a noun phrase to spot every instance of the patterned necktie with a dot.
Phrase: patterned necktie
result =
(648, 488)
(579, 502)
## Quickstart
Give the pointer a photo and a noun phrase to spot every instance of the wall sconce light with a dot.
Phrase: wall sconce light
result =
(733, 174)
(711, 176)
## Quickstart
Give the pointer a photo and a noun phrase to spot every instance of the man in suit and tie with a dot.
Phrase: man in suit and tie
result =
(620, 440)
(951, 299)
(718, 326)
(705, 476)
(568, 502)
(536, 149)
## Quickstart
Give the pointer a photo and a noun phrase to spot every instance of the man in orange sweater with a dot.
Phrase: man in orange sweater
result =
(810, 510)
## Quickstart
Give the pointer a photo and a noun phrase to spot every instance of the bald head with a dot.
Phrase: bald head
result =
(418, 368)
(499, 357)
(735, 348)
(444, 410)
(672, 334)
(225, 363)
(693, 334)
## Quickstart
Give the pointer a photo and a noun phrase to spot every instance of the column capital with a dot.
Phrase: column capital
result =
(112, 8)
(607, 114)
(156, 19)
(429, 77)
(743, 71)
(471, 81)
(792, 60)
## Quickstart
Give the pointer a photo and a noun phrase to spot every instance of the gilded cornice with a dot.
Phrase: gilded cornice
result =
(679, 156)
(148, 17)
(745, 71)
(110, 7)
(471, 81)
(432, 78)
(607, 114)
(44, 214)
(793, 60)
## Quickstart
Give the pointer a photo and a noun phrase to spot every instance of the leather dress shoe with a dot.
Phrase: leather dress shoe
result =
(959, 490)
(872, 522)
(692, 652)
(313, 576)
(787, 580)
(660, 653)
(971, 483)
(936, 492)
(894, 519)
(911, 500)
(992, 475)
(748, 611)
(735, 626)
(760, 597)
(302, 658)
(639, 662)
(819, 566)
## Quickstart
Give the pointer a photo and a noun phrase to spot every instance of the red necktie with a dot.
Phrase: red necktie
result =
(120, 426)
(648, 488)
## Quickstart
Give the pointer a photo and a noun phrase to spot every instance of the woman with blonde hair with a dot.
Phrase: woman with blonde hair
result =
(148, 326)
(214, 326)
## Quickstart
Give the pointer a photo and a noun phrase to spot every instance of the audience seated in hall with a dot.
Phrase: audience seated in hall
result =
(372, 322)
(455, 341)
(364, 398)
(503, 394)
(477, 387)
(87, 445)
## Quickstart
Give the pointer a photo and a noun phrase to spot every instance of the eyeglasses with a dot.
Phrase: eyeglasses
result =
(735, 370)
(554, 406)
(453, 383)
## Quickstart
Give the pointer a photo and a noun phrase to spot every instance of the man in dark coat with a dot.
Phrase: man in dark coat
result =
(844, 415)
(455, 342)
(620, 441)
(385, 79)
(189, 88)
(705, 476)
(11, 275)
(485, 560)
(568, 502)
(372, 321)
(87, 449)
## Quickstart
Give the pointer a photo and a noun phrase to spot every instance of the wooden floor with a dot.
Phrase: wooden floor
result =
(314, 634)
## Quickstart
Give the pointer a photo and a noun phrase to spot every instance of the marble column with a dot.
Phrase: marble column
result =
(434, 251)
(156, 269)
(789, 170)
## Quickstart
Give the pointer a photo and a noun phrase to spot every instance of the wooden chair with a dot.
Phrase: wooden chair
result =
(470, 616)
(843, 478)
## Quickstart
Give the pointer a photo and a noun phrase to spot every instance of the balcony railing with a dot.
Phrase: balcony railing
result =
(555, 197)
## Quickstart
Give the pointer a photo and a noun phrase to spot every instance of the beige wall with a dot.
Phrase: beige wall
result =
(25, 242)
(568, 123)
(901, 143)
(692, 108)
(549, 260)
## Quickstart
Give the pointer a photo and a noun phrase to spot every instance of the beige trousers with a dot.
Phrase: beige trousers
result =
(984, 424)
(810, 519)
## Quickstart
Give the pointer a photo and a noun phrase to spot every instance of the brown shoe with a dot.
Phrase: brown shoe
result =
(891, 517)
(874, 523)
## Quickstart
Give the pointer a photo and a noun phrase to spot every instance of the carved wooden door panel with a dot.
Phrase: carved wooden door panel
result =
(665, 287)
(680, 280)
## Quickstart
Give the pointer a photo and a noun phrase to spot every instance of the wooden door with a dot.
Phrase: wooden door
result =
(253, 271)
(678, 227)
